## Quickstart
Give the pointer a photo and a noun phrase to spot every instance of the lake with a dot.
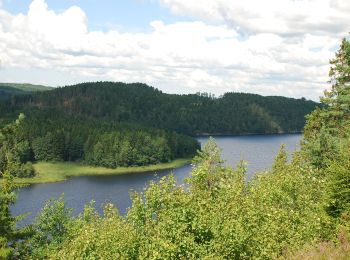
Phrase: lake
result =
(258, 150)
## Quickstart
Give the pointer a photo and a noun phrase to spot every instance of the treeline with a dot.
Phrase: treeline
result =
(116, 124)
(93, 142)
(233, 113)
(107, 145)
(280, 214)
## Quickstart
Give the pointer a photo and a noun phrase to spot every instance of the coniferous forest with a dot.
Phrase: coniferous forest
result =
(116, 124)
(201, 113)
(88, 141)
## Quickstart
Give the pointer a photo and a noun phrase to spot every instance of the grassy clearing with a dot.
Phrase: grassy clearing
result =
(325, 250)
(60, 171)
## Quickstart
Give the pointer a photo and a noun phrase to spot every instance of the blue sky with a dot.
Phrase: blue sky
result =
(271, 47)
(125, 15)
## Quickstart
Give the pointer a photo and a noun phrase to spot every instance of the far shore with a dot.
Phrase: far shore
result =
(246, 134)
(47, 172)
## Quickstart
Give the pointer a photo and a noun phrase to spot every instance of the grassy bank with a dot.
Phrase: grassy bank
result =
(60, 171)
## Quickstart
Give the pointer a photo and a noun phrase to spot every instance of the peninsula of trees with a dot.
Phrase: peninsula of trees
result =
(117, 125)
(90, 141)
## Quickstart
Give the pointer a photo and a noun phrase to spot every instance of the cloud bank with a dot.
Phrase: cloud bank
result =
(271, 47)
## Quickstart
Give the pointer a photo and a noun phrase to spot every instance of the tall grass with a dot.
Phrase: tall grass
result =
(60, 171)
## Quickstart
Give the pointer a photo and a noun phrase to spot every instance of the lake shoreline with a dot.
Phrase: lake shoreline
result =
(246, 134)
(259, 151)
(48, 172)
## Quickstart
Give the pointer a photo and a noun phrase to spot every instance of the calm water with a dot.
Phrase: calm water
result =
(258, 150)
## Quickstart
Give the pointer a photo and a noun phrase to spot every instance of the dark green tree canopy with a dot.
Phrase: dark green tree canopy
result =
(233, 113)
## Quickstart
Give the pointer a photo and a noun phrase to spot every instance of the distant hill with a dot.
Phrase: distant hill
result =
(233, 113)
(8, 89)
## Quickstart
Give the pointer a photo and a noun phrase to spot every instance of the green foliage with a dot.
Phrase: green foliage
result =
(94, 142)
(50, 229)
(338, 177)
(113, 239)
(49, 147)
(112, 124)
(129, 148)
(107, 145)
(11, 238)
(334, 116)
(280, 160)
(7, 222)
(8, 90)
(340, 77)
(208, 167)
(25, 87)
(233, 113)
(15, 151)
(326, 142)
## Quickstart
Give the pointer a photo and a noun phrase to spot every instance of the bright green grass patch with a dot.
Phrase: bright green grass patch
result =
(60, 171)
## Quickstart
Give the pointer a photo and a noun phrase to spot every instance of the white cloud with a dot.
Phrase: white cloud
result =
(241, 46)
(284, 17)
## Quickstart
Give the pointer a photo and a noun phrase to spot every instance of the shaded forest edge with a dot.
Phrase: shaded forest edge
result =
(300, 209)
(88, 142)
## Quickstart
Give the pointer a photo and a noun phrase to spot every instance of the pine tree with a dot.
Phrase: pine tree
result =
(338, 98)
(339, 72)
(280, 160)
(327, 138)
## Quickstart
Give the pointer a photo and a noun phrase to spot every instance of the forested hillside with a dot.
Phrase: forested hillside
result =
(233, 113)
(116, 125)
(9, 89)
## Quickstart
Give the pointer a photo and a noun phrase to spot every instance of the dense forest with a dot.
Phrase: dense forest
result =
(117, 124)
(90, 141)
(233, 113)
(300, 209)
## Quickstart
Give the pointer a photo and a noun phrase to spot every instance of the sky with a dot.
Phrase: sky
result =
(270, 47)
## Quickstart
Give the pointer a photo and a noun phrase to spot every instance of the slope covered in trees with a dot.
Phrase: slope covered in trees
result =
(9, 89)
(116, 124)
(233, 113)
